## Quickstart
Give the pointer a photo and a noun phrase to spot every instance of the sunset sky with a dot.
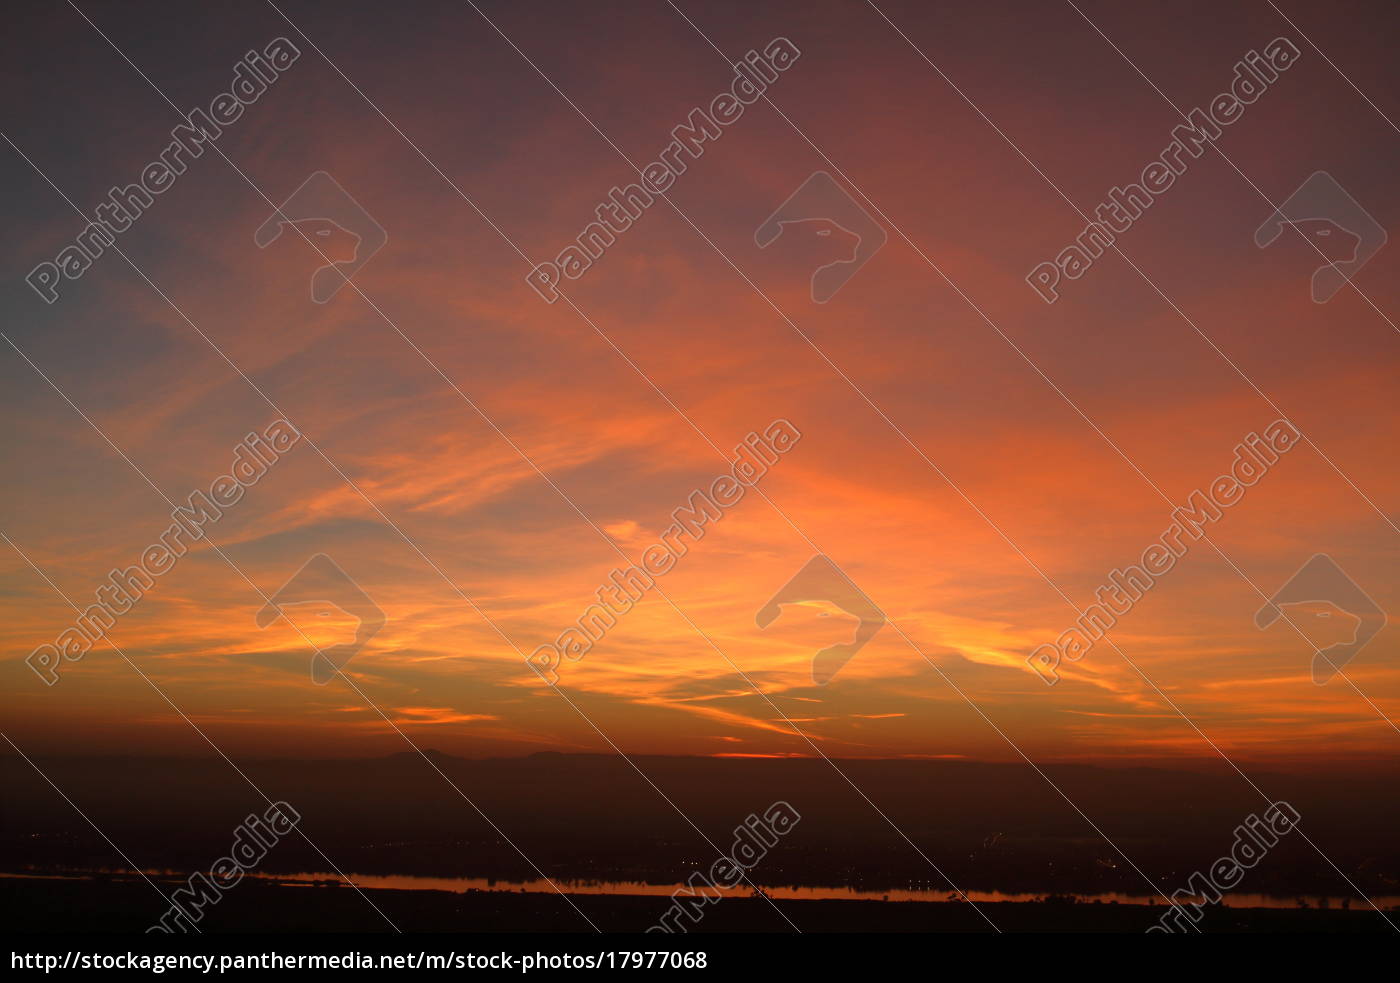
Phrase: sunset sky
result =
(968, 453)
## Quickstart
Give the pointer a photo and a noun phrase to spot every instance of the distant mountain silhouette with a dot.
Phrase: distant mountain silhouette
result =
(988, 826)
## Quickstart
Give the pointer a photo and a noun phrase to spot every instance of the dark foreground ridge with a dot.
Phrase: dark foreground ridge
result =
(579, 818)
(126, 906)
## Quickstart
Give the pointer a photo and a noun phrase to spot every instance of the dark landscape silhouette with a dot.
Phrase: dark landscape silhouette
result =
(988, 827)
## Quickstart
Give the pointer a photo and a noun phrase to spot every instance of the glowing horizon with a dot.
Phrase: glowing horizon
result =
(478, 461)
